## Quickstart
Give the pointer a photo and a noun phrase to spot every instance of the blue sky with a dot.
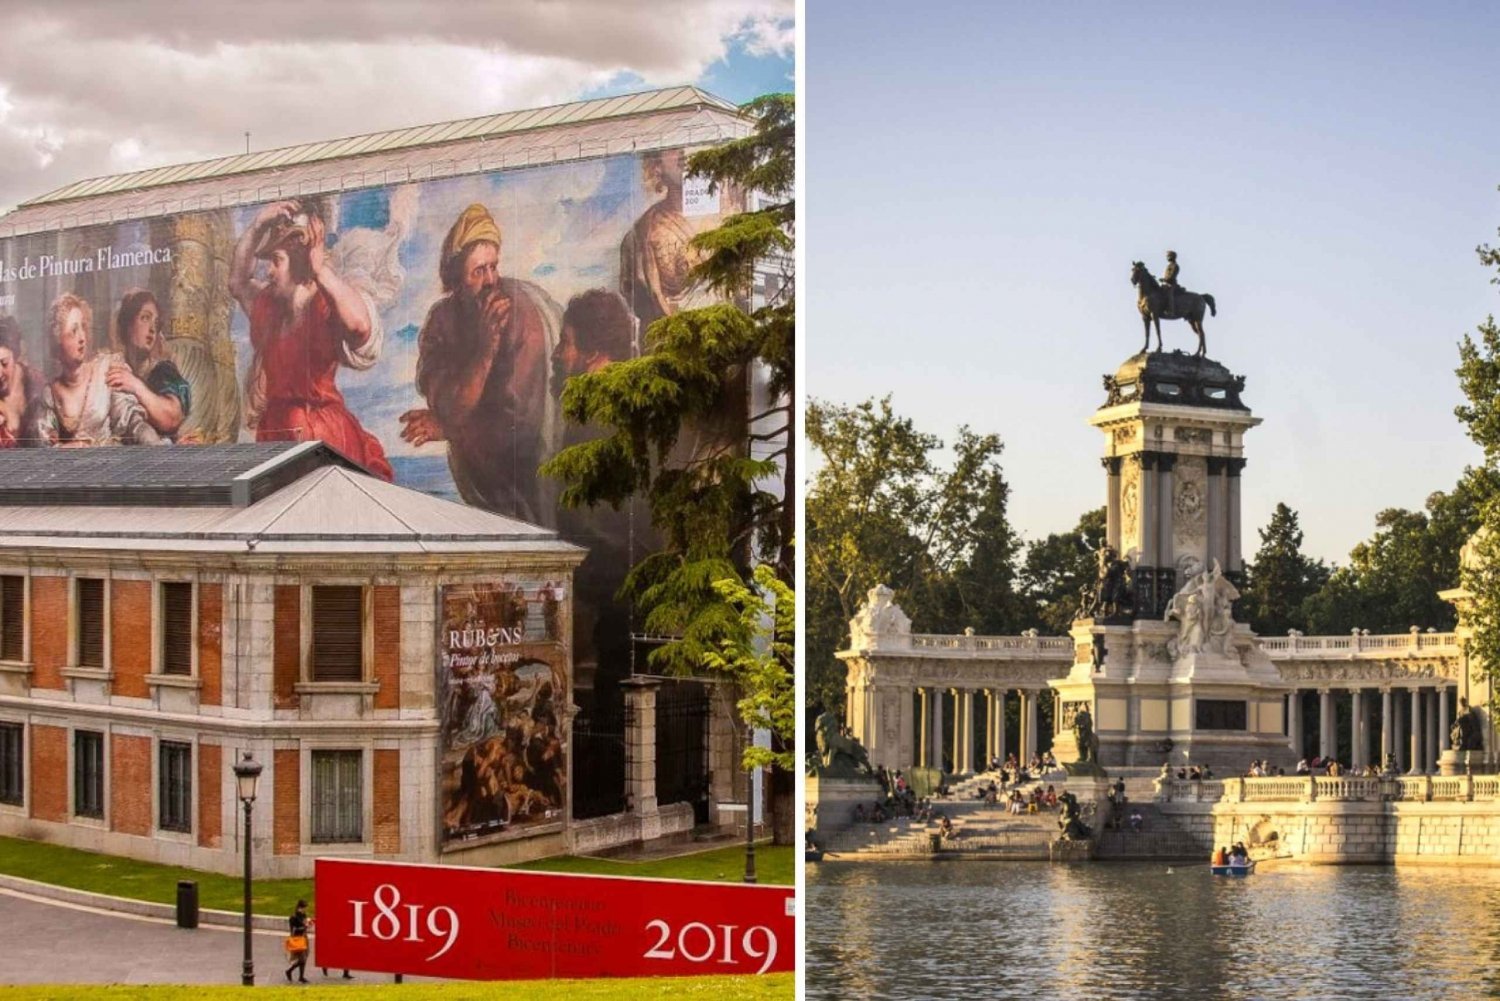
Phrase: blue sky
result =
(979, 178)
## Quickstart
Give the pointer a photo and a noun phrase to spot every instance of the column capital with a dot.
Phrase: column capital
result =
(1166, 461)
(1234, 466)
(1111, 464)
(1217, 464)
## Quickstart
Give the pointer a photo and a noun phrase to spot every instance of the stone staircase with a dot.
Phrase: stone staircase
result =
(984, 831)
(1159, 837)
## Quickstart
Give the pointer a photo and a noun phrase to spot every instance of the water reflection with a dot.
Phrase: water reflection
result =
(1001, 930)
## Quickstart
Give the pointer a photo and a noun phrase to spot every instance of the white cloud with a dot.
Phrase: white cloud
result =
(95, 87)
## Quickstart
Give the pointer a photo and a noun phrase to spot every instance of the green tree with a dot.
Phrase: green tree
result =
(1392, 579)
(716, 512)
(1059, 569)
(881, 510)
(1479, 378)
(1281, 578)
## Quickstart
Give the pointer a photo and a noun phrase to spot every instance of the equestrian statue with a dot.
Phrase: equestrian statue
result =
(1166, 300)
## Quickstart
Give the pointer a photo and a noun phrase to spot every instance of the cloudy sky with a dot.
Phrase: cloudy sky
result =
(96, 87)
(1324, 170)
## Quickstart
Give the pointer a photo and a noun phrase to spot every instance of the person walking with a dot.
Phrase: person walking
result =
(296, 943)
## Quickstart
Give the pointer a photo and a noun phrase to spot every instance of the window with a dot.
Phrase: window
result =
(176, 628)
(90, 622)
(1221, 714)
(88, 773)
(337, 797)
(337, 633)
(12, 617)
(12, 773)
(174, 777)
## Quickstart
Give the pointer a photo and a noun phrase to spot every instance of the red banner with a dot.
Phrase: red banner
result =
(497, 924)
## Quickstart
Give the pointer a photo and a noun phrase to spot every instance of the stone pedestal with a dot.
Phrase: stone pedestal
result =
(1174, 428)
(1222, 710)
(831, 802)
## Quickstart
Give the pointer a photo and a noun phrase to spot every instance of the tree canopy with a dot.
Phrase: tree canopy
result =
(716, 506)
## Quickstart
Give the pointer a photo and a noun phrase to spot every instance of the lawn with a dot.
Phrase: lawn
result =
(773, 865)
(772, 987)
(122, 877)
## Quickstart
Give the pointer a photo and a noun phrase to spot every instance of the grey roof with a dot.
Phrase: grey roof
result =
(197, 476)
(604, 126)
(331, 508)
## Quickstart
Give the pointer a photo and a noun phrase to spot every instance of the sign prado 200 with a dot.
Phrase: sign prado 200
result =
(489, 924)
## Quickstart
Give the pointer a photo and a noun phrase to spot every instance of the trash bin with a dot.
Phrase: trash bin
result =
(187, 903)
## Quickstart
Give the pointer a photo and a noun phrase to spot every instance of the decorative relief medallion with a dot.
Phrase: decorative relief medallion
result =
(1189, 510)
(1193, 436)
(1124, 435)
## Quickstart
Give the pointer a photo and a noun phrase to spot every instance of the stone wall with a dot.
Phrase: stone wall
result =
(1344, 833)
(588, 837)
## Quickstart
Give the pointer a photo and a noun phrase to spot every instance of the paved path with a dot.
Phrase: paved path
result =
(51, 943)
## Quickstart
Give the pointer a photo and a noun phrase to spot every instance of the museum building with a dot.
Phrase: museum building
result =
(165, 611)
(590, 209)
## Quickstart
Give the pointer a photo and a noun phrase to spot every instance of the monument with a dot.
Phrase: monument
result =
(1162, 664)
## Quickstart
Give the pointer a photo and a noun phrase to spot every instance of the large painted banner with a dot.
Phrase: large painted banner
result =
(424, 329)
(494, 924)
(503, 667)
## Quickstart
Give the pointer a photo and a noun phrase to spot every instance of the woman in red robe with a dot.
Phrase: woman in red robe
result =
(305, 321)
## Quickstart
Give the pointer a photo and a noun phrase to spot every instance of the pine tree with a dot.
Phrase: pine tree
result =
(713, 512)
(1281, 578)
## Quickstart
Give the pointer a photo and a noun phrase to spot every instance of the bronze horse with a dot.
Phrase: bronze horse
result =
(1152, 302)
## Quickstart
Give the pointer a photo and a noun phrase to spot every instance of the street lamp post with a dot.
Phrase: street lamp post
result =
(246, 775)
(749, 813)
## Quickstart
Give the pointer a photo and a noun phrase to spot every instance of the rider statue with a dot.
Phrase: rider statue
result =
(1169, 282)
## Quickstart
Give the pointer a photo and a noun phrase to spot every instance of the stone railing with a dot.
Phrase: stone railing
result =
(1333, 789)
(1355, 643)
(1048, 647)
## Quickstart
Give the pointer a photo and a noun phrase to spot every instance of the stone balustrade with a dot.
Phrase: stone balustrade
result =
(1048, 647)
(1334, 789)
(1356, 643)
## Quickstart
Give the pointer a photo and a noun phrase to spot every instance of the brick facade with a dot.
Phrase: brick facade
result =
(130, 784)
(387, 633)
(210, 644)
(49, 631)
(130, 636)
(210, 795)
(287, 805)
(49, 773)
(387, 802)
(287, 655)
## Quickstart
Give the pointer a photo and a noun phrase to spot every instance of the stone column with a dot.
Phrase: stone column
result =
(966, 758)
(1416, 732)
(1387, 726)
(1429, 761)
(1325, 723)
(924, 716)
(937, 729)
(1164, 500)
(1000, 724)
(1030, 729)
(1232, 529)
(957, 742)
(1444, 721)
(1146, 511)
(640, 745)
(1112, 509)
(1398, 733)
(1294, 721)
(1358, 744)
(991, 707)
